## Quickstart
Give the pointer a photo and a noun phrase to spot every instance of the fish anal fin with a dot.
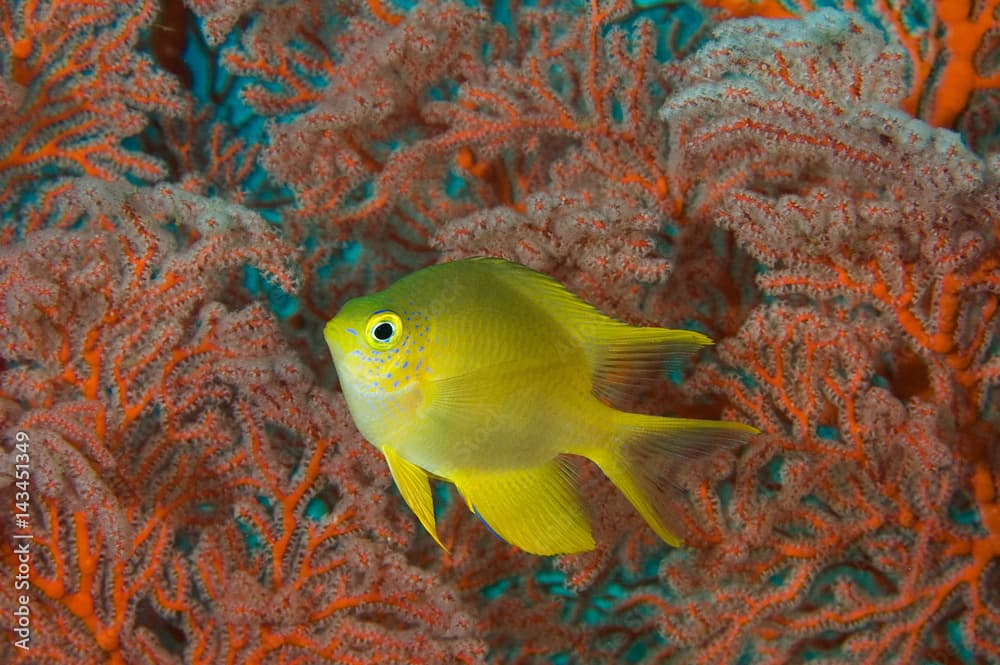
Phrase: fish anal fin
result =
(415, 486)
(536, 509)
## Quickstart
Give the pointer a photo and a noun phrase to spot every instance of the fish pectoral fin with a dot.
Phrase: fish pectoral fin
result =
(469, 389)
(478, 399)
(415, 486)
(536, 509)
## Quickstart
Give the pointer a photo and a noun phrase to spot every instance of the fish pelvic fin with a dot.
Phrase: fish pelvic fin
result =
(645, 454)
(536, 509)
(415, 486)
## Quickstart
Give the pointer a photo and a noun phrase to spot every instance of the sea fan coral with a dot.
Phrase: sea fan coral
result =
(189, 190)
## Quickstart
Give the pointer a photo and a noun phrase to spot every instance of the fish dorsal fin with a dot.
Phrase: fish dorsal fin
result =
(552, 298)
(536, 509)
(627, 357)
(415, 486)
(622, 357)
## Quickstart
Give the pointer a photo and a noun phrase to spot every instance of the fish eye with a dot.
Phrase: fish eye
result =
(383, 329)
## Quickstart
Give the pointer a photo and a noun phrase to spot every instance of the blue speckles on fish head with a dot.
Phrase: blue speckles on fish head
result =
(377, 345)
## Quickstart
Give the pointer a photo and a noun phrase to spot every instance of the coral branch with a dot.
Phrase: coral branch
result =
(73, 87)
(197, 490)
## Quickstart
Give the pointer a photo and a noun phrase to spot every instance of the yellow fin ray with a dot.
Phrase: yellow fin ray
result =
(625, 357)
(622, 357)
(415, 486)
(472, 396)
(648, 449)
(536, 509)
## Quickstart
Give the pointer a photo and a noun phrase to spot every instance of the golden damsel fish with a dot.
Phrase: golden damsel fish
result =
(485, 373)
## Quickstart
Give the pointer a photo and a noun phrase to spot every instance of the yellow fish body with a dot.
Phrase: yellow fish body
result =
(484, 373)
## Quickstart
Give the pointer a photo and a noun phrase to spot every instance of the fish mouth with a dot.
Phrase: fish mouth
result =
(345, 331)
(336, 336)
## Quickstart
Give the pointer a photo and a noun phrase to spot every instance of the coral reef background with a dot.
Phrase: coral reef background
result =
(189, 190)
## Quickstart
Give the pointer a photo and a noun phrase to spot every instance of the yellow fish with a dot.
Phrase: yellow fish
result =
(485, 373)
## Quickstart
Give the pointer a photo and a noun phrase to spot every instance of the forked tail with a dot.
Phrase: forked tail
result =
(647, 451)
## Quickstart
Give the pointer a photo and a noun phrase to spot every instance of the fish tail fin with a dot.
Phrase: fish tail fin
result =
(646, 451)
